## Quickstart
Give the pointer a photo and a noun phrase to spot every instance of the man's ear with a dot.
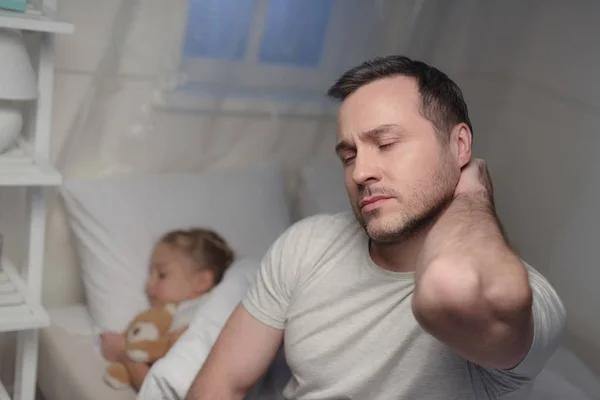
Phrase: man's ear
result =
(462, 139)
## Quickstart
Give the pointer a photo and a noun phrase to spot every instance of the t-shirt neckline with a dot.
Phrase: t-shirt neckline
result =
(382, 272)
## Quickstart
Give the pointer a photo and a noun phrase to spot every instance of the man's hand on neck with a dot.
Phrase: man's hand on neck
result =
(472, 291)
(470, 214)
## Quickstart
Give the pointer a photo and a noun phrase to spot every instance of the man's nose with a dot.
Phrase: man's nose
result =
(366, 169)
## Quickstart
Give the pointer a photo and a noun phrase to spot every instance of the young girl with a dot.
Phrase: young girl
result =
(185, 265)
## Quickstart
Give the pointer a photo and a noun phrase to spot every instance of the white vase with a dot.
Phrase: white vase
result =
(11, 122)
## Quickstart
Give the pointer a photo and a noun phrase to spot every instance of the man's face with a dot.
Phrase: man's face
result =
(397, 173)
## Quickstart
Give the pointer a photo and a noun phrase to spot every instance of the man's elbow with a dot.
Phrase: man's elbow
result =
(445, 288)
(489, 324)
(453, 287)
(511, 344)
(513, 327)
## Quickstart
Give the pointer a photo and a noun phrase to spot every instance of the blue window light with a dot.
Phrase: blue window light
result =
(295, 32)
(218, 29)
(280, 52)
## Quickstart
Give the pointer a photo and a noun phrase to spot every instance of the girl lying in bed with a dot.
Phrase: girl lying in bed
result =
(185, 265)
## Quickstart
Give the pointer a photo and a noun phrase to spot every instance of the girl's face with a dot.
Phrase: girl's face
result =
(174, 277)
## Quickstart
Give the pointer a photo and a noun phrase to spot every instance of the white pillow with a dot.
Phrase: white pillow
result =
(116, 222)
(171, 377)
(321, 189)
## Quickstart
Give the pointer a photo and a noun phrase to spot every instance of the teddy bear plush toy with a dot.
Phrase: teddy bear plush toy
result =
(147, 337)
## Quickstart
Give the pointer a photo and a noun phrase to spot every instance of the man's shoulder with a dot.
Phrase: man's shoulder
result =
(543, 290)
(316, 234)
(324, 225)
(317, 240)
(536, 278)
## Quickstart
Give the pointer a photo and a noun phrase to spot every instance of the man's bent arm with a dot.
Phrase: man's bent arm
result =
(242, 354)
(472, 291)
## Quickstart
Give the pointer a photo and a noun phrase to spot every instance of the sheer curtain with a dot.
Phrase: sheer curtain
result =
(142, 88)
(154, 86)
(147, 86)
(230, 81)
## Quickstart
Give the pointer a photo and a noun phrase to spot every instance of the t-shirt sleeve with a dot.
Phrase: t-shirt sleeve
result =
(269, 297)
(549, 315)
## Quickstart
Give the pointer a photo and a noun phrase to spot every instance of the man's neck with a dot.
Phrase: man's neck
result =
(398, 257)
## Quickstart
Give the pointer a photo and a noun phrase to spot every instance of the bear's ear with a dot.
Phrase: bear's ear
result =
(171, 308)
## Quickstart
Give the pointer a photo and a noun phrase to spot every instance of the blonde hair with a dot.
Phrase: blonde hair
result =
(206, 247)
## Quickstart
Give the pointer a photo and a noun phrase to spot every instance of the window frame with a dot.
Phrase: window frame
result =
(304, 93)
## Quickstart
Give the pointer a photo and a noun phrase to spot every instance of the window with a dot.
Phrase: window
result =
(273, 53)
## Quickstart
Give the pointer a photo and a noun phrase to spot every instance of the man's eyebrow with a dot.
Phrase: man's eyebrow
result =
(377, 132)
(367, 135)
(343, 145)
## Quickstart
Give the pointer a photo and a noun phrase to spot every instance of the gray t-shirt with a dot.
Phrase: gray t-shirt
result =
(349, 328)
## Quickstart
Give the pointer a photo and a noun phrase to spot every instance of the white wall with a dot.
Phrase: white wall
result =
(107, 75)
(122, 107)
(529, 73)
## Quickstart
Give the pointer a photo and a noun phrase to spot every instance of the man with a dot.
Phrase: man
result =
(416, 296)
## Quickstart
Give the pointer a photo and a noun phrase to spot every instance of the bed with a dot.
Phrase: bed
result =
(68, 345)
(71, 368)
(114, 223)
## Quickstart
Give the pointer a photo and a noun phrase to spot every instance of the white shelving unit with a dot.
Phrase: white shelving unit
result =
(44, 20)
(27, 166)
(22, 166)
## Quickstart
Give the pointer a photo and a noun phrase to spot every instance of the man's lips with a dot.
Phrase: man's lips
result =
(372, 201)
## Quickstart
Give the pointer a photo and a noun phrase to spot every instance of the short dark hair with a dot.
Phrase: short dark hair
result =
(442, 100)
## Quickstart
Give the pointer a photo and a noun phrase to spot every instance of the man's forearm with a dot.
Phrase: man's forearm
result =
(468, 228)
(472, 290)
(468, 233)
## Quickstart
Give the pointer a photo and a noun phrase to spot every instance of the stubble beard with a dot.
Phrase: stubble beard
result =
(430, 202)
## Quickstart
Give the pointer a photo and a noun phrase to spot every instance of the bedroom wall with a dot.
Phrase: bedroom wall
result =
(127, 109)
(535, 103)
(535, 108)
(532, 96)
(121, 128)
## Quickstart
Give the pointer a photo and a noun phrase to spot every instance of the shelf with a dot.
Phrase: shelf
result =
(41, 21)
(21, 166)
(16, 311)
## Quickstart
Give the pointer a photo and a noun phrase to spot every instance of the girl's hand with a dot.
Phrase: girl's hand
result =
(114, 347)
